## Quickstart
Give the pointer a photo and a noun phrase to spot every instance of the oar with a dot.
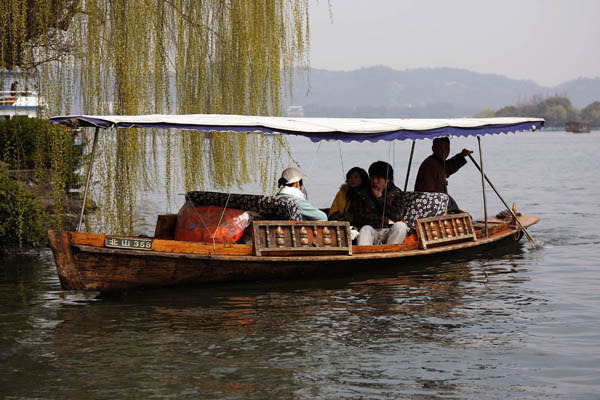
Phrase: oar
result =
(505, 205)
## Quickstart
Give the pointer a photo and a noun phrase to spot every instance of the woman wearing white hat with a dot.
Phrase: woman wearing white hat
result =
(290, 185)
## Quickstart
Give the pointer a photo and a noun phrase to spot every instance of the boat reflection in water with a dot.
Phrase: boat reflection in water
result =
(295, 330)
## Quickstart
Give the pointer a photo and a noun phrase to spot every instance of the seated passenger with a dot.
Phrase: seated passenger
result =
(378, 209)
(435, 169)
(291, 185)
(356, 179)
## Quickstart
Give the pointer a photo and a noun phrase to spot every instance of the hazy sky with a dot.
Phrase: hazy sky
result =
(547, 41)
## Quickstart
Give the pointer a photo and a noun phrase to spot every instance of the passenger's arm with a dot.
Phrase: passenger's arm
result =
(309, 212)
(396, 208)
(357, 209)
(338, 203)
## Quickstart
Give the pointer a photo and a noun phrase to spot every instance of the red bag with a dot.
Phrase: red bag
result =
(210, 223)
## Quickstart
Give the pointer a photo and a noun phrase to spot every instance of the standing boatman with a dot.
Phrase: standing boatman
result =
(434, 170)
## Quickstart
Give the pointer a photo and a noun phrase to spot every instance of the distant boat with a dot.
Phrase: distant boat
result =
(577, 127)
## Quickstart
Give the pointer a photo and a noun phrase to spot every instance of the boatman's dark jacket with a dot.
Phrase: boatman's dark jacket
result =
(431, 176)
(367, 210)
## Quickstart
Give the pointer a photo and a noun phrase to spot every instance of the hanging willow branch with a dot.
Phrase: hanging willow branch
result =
(157, 56)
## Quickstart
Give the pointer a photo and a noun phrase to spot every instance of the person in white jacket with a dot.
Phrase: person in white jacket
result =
(290, 185)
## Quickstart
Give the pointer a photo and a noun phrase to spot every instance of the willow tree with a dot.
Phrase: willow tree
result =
(162, 56)
(28, 25)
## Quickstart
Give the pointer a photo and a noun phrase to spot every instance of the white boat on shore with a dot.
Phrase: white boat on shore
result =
(21, 103)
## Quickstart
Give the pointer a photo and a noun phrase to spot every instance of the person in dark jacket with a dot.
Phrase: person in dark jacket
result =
(378, 209)
(434, 170)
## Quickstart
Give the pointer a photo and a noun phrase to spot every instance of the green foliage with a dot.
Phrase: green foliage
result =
(591, 114)
(487, 113)
(29, 24)
(555, 115)
(22, 218)
(48, 150)
(32, 143)
(555, 110)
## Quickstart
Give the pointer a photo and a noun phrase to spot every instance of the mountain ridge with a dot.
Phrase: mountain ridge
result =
(381, 91)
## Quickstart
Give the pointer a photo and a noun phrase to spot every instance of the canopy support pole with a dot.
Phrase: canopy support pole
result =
(87, 179)
(485, 214)
(412, 151)
(342, 162)
(505, 205)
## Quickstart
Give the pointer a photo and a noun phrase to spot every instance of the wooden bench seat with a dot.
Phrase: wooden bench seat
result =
(445, 229)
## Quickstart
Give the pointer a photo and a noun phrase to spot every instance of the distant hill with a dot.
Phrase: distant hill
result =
(581, 91)
(424, 92)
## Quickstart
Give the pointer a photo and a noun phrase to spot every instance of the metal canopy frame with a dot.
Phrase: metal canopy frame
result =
(316, 136)
(88, 177)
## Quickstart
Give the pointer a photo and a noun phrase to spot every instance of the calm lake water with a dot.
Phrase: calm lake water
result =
(514, 322)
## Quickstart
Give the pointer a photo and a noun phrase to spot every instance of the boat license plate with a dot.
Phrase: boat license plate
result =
(128, 243)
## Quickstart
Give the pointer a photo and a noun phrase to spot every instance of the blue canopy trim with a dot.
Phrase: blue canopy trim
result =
(405, 134)
(317, 135)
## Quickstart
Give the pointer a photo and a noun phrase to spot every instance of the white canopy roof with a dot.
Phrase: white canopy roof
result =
(344, 129)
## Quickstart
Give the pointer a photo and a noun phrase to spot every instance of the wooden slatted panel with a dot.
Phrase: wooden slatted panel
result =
(301, 238)
(451, 228)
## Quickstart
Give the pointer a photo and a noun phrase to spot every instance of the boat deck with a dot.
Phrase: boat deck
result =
(95, 243)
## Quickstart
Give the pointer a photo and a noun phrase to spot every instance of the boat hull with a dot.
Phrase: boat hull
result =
(84, 263)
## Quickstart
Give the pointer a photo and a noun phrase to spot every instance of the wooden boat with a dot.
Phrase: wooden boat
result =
(577, 127)
(280, 249)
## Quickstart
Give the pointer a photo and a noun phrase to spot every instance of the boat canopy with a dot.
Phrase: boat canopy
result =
(316, 129)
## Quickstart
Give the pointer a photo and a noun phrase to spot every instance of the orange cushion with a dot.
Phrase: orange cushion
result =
(411, 238)
(208, 223)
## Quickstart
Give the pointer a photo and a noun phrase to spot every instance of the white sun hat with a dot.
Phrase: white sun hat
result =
(292, 175)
